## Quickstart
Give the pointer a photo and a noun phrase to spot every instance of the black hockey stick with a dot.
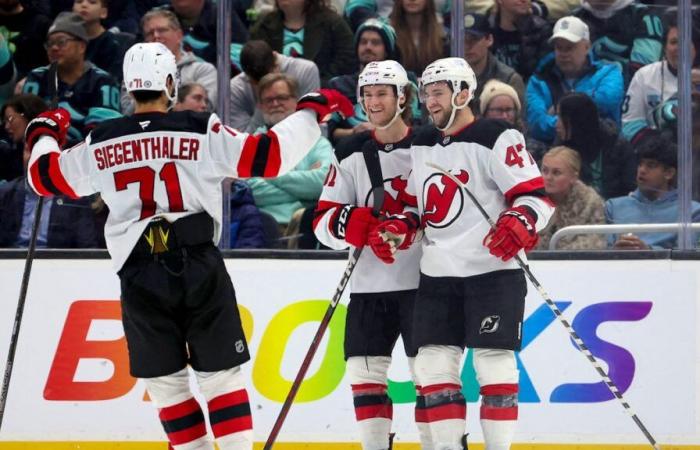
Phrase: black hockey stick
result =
(53, 90)
(557, 312)
(375, 174)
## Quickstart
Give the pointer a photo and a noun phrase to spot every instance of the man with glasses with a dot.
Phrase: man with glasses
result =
(90, 94)
(161, 25)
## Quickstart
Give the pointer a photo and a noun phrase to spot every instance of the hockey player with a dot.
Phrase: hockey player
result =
(471, 291)
(381, 299)
(160, 173)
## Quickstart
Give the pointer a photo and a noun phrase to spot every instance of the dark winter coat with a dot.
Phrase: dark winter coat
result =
(524, 48)
(246, 223)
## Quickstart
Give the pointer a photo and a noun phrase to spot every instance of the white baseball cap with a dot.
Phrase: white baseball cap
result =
(572, 29)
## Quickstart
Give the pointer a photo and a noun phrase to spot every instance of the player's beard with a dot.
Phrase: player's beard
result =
(440, 119)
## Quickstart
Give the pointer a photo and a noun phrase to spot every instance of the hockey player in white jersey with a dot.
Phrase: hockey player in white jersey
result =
(160, 173)
(382, 297)
(471, 291)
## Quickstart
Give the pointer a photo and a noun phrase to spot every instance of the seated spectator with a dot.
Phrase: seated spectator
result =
(500, 101)
(89, 93)
(198, 21)
(65, 222)
(161, 25)
(257, 60)
(654, 201)
(520, 34)
(292, 193)
(608, 159)
(552, 10)
(623, 32)
(477, 43)
(192, 97)
(375, 40)
(571, 68)
(24, 26)
(419, 36)
(576, 203)
(308, 29)
(246, 222)
(17, 112)
(356, 12)
(654, 87)
(103, 49)
(123, 15)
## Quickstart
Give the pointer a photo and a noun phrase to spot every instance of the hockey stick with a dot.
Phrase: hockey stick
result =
(53, 73)
(372, 162)
(557, 312)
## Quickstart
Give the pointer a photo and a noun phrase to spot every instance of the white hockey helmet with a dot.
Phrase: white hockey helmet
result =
(454, 71)
(387, 72)
(147, 67)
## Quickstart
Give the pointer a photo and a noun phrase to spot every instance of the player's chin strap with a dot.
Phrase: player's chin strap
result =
(172, 99)
(399, 111)
(453, 114)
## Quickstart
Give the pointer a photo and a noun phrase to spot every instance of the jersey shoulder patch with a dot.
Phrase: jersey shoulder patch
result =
(180, 121)
(351, 144)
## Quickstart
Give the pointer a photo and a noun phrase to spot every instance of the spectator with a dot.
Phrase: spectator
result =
(654, 201)
(246, 222)
(576, 203)
(654, 87)
(123, 15)
(500, 101)
(65, 222)
(311, 30)
(103, 49)
(198, 21)
(520, 36)
(192, 97)
(477, 43)
(375, 40)
(257, 60)
(608, 159)
(419, 36)
(572, 68)
(8, 74)
(356, 12)
(161, 25)
(16, 114)
(90, 94)
(552, 10)
(623, 32)
(287, 196)
(24, 27)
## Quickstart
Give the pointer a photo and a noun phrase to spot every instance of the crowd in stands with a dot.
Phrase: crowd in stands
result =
(591, 83)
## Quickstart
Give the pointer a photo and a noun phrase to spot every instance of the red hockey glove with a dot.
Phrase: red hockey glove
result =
(325, 102)
(54, 123)
(515, 231)
(353, 224)
(396, 233)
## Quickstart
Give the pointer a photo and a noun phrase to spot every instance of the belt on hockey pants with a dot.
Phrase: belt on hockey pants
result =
(161, 238)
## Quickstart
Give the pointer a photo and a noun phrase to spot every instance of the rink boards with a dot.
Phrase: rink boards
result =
(71, 383)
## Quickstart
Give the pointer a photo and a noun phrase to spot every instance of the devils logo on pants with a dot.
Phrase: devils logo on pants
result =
(439, 193)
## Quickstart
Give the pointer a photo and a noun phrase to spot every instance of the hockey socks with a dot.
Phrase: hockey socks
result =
(445, 412)
(184, 425)
(373, 411)
(426, 440)
(231, 422)
(499, 413)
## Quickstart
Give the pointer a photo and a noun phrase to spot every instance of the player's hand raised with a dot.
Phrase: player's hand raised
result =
(54, 123)
(514, 231)
(395, 233)
(325, 102)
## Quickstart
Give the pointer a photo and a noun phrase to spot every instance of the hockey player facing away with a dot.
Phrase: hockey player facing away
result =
(471, 291)
(382, 297)
(160, 174)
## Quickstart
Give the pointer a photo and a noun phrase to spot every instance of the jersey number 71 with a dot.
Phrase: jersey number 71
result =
(146, 177)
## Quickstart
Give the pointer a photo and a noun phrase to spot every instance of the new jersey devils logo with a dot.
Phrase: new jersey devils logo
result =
(442, 205)
(395, 196)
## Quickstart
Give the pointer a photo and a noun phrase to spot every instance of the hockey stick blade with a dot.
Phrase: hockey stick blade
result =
(557, 313)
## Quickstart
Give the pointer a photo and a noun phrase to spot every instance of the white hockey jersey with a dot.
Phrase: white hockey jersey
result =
(493, 163)
(166, 165)
(651, 86)
(348, 183)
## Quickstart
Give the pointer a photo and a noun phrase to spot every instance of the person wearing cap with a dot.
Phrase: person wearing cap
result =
(624, 32)
(500, 101)
(572, 67)
(520, 34)
(375, 40)
(89, 93)
(478, 40)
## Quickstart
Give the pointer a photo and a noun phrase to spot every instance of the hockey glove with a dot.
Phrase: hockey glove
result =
(325, 102)
(353, 224)
(54, 123)
(514, 231)
(396, 233)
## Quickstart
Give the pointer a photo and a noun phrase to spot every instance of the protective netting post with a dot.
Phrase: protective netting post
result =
(223, 66)
(457, 28)
(685, 137)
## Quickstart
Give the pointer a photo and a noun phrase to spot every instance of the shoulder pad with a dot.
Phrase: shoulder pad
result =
(351, 144)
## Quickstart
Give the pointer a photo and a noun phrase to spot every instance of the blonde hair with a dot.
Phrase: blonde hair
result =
(570, 156)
